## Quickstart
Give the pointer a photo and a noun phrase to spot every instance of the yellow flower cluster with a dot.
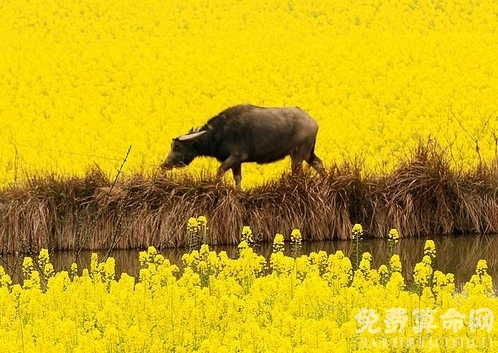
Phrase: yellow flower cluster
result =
(393, 235)
(357, 231)
(196, 231)
(81, 82)
(278, 243)
(313, 303)
(247, 235)
(296, 237)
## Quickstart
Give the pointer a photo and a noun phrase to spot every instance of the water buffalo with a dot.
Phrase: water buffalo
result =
(246, 133)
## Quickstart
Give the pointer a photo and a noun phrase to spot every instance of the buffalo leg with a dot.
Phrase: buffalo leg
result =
(230, 163)
(237, 174)
(317, 164)
(296, 166)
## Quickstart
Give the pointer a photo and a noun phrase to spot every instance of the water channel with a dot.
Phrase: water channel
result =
(456, 254)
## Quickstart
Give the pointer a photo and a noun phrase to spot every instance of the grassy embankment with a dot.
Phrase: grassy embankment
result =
(423, 196)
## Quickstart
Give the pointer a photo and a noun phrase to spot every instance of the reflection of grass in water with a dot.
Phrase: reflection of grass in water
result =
(461, 254)
(455, 254)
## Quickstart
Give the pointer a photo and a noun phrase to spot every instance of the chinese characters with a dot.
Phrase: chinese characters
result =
(396, 320)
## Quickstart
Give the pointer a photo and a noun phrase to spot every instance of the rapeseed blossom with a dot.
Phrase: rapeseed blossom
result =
(430, 249)
(357, 231)
(216, 304)
(296, 237)
(395, 263)
(5, 280)
(98, 79)
(422, 273)
(296, 242)
(278, 243)
(393, 235)
(481, 281)
(247, 235)
(192, 233)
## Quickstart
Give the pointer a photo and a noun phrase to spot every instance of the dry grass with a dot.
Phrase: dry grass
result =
(423, 196)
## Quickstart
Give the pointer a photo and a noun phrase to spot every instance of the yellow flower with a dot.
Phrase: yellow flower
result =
(109, 269)
(5, 280)
(395, 263)
(423, 272)
(427, 260)
(239, 304)
(202, 229)
(94, 264)
(48, 271)
(396, 283)
(365, 265)
(481, 283)
(73, 271)
(192, 225)
(143, 258)
(296, 236)
(482, 267)
(202, 221)
(247, 235)
(357, 231)
(278, 243)
(159, 259)
(27, 267)
(243, 245)
(367, 256)
(393, 235)
(43, 257)
(430, 249)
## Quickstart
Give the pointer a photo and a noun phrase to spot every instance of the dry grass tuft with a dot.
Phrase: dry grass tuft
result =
(423, 196)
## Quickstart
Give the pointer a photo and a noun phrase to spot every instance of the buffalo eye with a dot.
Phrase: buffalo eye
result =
(174, 143)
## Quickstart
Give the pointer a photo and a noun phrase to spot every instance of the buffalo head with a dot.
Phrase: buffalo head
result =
(182, 152)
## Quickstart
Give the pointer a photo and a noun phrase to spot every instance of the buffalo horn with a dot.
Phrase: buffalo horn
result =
(191, 136)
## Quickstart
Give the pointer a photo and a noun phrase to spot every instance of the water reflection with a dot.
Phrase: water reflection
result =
(455, 254)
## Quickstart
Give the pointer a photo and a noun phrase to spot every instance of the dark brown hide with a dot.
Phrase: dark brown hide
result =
(247, 133)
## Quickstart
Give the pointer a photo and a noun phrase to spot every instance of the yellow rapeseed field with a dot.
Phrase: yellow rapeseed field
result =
(81, 81)
(313, 303)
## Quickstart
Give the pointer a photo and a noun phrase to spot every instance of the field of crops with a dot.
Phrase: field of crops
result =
(80, 82)
(316, 303)
(107, 85)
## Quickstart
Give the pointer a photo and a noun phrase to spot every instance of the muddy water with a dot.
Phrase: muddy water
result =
(455, 254)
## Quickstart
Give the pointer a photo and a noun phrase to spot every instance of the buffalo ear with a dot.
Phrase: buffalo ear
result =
(191, 136)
